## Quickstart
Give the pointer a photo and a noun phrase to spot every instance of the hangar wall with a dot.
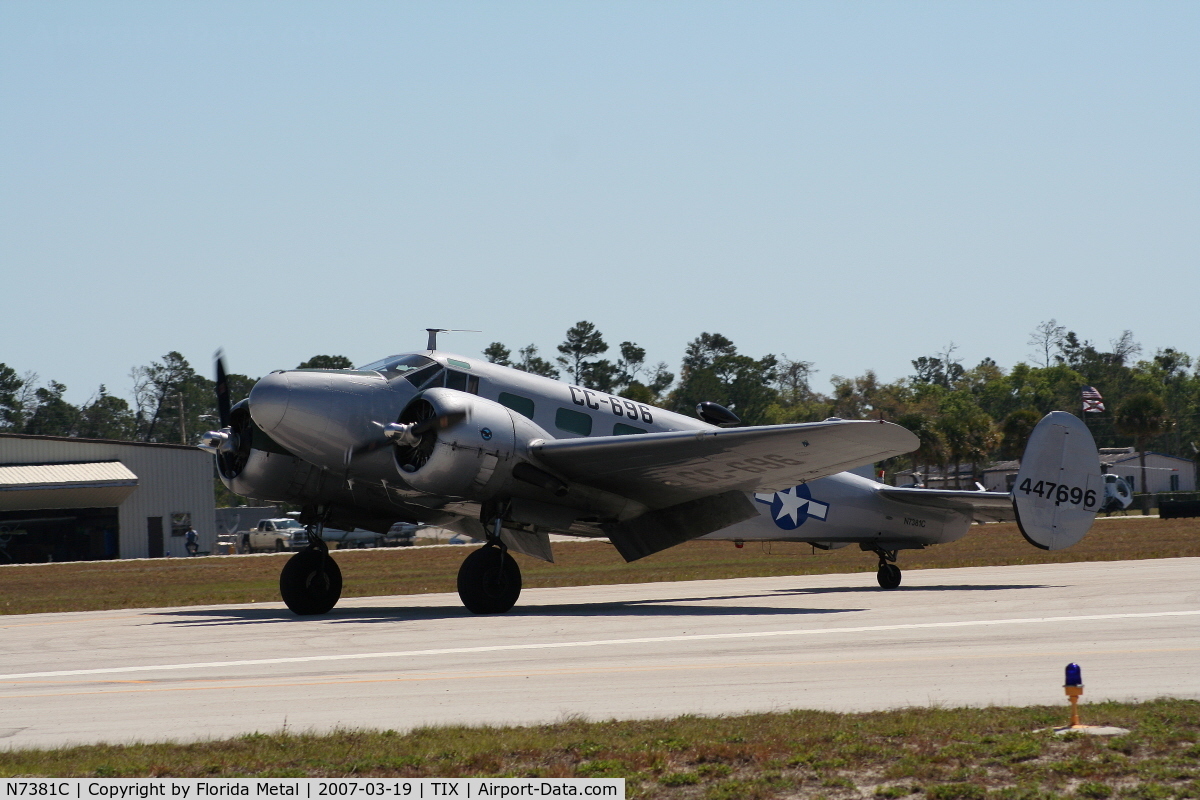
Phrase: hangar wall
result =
(172, 479)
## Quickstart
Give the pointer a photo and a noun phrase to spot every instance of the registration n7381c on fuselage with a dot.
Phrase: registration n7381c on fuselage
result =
(510, 457)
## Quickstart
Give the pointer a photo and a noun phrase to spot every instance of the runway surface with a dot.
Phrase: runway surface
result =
(975, 636)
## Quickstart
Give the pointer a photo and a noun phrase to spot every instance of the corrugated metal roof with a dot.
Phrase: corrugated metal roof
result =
(91, 484)
(65, 476)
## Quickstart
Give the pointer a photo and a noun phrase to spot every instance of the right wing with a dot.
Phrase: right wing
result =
(661, 470)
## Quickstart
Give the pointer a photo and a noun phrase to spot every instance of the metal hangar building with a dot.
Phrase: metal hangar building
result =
(65, 499)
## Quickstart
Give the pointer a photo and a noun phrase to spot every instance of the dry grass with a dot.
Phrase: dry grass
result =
(943, 754)
(97, 585)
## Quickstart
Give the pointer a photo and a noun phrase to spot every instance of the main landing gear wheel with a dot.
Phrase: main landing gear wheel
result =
(489, 581)
(310, 582)
(888, 576)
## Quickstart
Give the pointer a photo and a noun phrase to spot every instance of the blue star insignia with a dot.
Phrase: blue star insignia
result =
(792, 507)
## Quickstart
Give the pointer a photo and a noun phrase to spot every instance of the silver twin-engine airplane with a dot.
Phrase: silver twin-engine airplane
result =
(509, 457)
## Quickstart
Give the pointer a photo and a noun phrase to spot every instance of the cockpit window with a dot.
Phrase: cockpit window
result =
(393, 366)
(425, 377)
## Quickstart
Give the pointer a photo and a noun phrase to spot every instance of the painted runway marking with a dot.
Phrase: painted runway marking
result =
(591, 643)
(70, 621)
(230, 684)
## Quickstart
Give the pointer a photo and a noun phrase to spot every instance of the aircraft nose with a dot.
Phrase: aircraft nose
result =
(269, 401)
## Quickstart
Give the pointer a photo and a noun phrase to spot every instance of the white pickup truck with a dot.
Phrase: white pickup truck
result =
(277, 535)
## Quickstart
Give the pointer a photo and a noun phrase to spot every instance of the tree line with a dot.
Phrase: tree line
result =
(961, 414)
(172, 403)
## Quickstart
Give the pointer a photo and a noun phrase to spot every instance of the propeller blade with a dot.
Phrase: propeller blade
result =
(444, 421)
(369, 447)
(222, 390)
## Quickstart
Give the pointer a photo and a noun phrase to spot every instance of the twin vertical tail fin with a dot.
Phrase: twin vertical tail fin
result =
(1059, 488)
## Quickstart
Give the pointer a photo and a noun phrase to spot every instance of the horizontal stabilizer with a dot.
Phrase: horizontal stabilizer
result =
(980, 506)
(1059, 488)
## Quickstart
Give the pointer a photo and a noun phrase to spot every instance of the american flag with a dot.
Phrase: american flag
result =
(1093, 403)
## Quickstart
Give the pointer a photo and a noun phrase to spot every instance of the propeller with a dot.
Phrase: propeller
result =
(222, 389)
(231, 442)
(405, 434)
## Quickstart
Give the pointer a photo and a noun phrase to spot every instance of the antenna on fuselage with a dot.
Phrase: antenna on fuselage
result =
(433, 332)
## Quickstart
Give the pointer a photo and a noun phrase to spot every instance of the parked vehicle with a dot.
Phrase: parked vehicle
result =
(278, 535)
(402, 534)
(227, 544)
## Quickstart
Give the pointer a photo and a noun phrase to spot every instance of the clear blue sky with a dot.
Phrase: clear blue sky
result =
(850, 183)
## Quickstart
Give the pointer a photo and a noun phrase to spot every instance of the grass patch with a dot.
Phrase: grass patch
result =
(942, 754)
(146, 583)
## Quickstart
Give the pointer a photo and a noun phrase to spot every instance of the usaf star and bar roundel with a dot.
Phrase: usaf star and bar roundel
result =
(791, 508)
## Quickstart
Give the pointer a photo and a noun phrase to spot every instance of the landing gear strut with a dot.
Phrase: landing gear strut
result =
(888, 574)
(489, 580)
(311, 581)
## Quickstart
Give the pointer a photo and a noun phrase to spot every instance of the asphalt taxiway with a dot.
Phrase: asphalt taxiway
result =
(973, 636)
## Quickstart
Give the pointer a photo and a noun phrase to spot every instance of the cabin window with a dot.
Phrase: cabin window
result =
(573, 421)
(621, 429)
(454, 362)
(462, 381)
(521, 405)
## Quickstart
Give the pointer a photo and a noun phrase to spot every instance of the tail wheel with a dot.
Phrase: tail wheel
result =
(310, 582)
(489, 581)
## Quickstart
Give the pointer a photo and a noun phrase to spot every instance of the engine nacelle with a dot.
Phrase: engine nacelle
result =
(266, 476)
(471, 458)
(250, 462)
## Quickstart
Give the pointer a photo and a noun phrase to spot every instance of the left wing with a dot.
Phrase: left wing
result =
(665, 469)
(981, 506)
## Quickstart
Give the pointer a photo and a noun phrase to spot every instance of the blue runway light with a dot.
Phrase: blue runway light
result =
(1074, 675)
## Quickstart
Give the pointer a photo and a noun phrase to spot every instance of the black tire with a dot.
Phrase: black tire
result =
(310, 582)
(279, 546)
(888, 576)
(489, 581)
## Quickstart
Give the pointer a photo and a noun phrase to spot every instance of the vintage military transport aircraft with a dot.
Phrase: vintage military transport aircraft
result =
(509, 457)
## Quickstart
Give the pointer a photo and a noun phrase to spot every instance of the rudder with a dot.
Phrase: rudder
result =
(1059, 488)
